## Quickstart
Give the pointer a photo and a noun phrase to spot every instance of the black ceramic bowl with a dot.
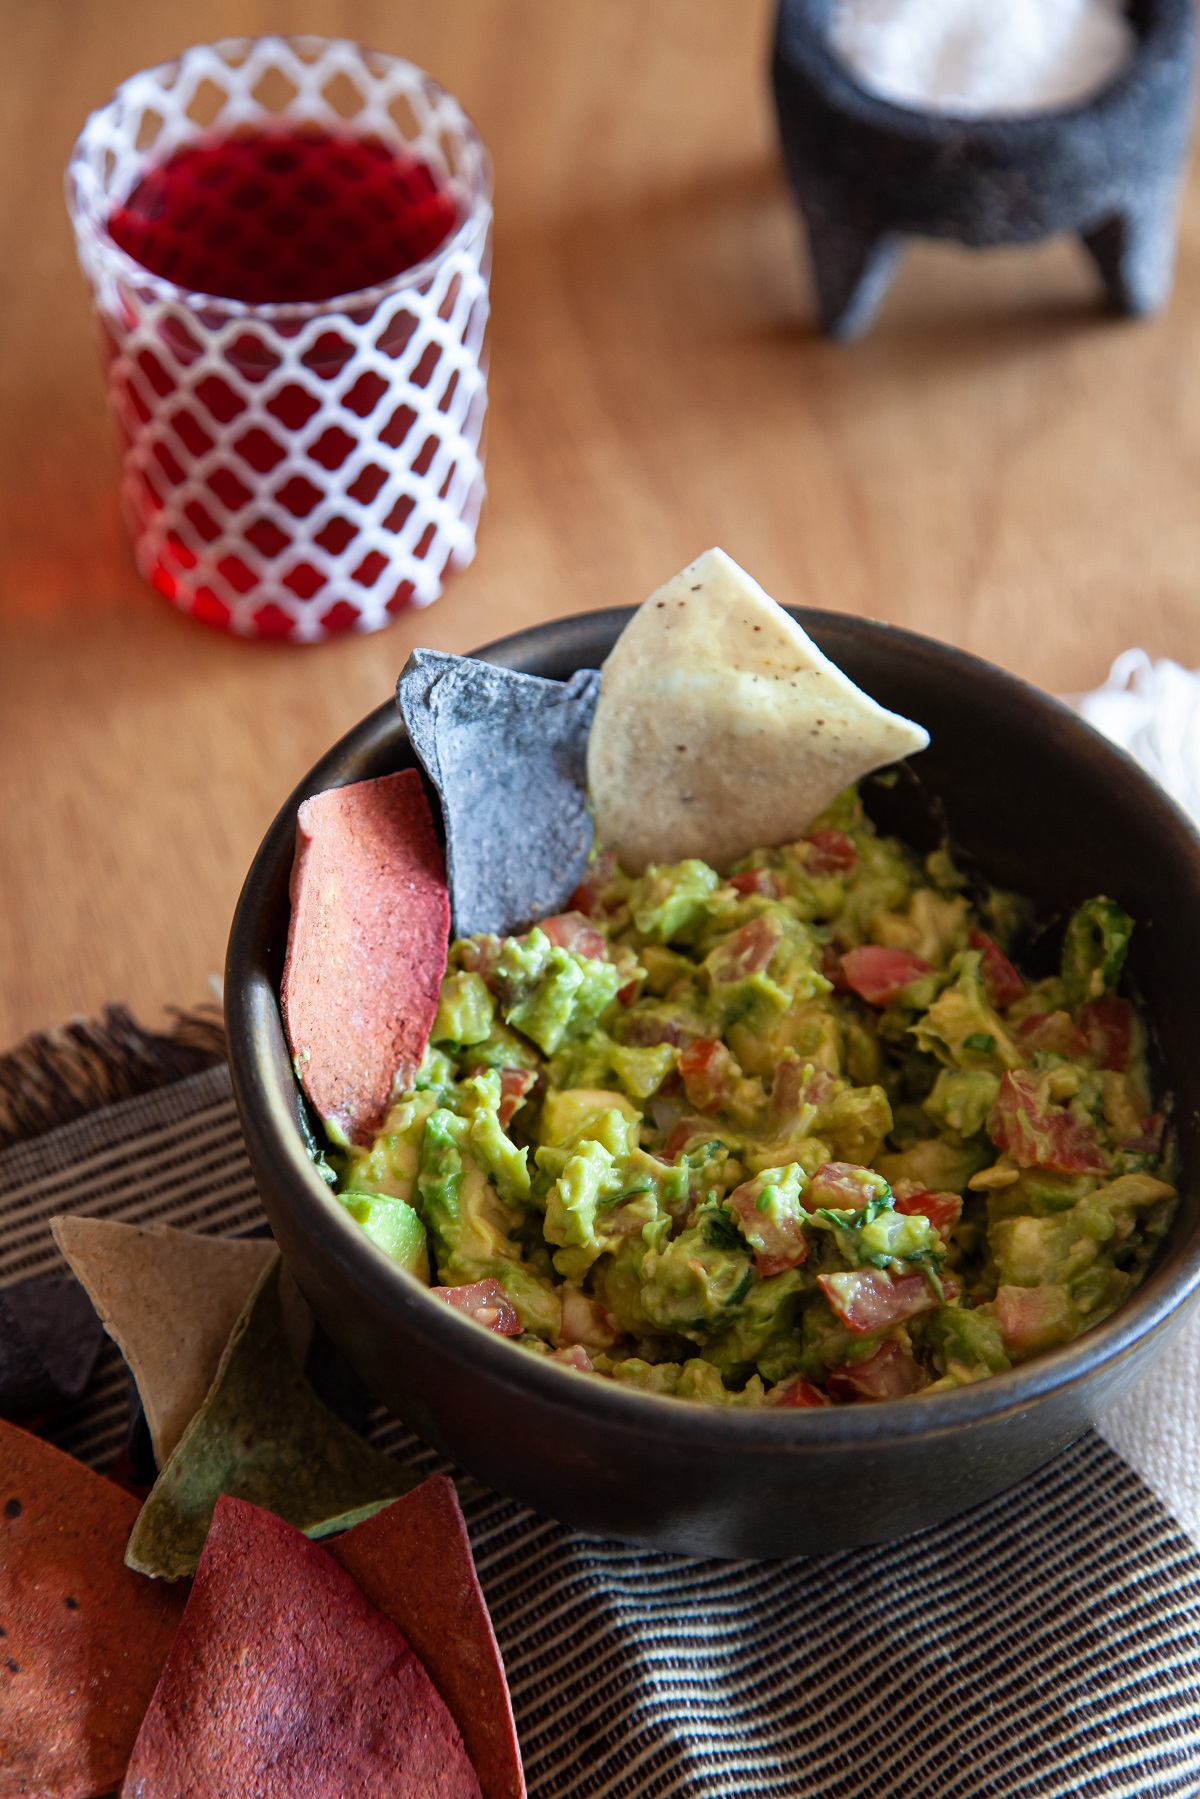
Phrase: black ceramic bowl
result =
(1046, 806)
(867, 174)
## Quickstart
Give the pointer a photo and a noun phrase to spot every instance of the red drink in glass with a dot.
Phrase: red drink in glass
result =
(292, 297)
(283, 215)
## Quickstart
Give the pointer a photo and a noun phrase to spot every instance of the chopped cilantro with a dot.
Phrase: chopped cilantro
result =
(720, 1232)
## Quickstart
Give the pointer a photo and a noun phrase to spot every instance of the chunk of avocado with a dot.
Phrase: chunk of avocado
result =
(576, 1115)
(394, 1227)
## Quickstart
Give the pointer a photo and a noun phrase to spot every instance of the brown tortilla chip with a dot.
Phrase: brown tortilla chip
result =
(414, 1562)
(82, 1639)
(285, 1683)
(366, 946)
(169, 1300)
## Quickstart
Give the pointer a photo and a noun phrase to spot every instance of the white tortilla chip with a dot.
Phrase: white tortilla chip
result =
(721, 728)
(169, 1299)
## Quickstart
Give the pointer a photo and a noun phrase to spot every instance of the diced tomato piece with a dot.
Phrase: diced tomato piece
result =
(834, 852)
(766, 1263)
(1107, 1024)
(685, 1132)
(1032, 1318)
(1037, 1135)
(756, 880)
(1000, 979)
(844, 1186)
(798, 1084)
(786, 1089)
(777, 1243)
(943, 1210)
(748, 951)
(797, 1391)
(880, 975)
(869, 1299)
(1053, 1031)
(709, 1072)
(627, 994)
(574, 932)
(891, 1373)
(574, 1357)
(515, 1086)
(1151, 1140)
(589, 895)
(486, 1302)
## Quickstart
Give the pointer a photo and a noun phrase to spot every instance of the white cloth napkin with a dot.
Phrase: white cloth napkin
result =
(1152, 709)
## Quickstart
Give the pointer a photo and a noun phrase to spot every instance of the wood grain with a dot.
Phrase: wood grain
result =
(998, 464)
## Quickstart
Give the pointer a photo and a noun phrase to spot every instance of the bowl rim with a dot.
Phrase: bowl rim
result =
(267, 1112)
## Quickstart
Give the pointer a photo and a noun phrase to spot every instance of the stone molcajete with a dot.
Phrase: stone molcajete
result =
(868, 174)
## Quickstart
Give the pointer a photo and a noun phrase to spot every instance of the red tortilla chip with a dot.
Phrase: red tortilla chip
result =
(285, 1683)
(366, 946)
(82, 1638)
(414, 1562)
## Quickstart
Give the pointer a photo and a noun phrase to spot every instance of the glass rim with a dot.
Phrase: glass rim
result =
(90, 222)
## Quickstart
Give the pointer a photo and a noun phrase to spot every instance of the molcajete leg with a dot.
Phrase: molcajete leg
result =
(1135, 253)
(852, 269)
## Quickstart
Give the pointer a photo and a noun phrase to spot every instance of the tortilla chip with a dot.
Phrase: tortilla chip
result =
(721, 728)
(507, 753)
(413, 1560)
(329, 1374)
(49, 1340)
(366, 947)
(82, 1640)
(333, 1527)
(285, 1683)
(169, 1300)
(262, 1434)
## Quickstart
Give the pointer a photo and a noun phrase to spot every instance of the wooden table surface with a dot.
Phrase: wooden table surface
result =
(998, 464)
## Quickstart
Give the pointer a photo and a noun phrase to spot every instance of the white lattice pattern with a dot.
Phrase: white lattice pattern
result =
(293, 470)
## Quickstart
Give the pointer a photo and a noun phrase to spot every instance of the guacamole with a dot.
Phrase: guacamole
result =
(803, 1135)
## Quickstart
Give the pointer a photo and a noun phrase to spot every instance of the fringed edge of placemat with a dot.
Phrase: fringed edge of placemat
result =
(56, 1076)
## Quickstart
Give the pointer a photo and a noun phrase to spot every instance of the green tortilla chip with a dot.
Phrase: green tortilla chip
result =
(262, 1435)
(334, 1527)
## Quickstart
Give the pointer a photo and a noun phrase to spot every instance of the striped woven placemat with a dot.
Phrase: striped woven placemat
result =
(1046, 1644)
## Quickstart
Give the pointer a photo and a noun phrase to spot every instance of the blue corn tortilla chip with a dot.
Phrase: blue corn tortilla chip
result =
(507, 754)
(263, 1435)
(50, 1337)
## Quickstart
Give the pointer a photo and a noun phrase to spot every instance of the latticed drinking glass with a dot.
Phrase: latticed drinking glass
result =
(293, 469)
